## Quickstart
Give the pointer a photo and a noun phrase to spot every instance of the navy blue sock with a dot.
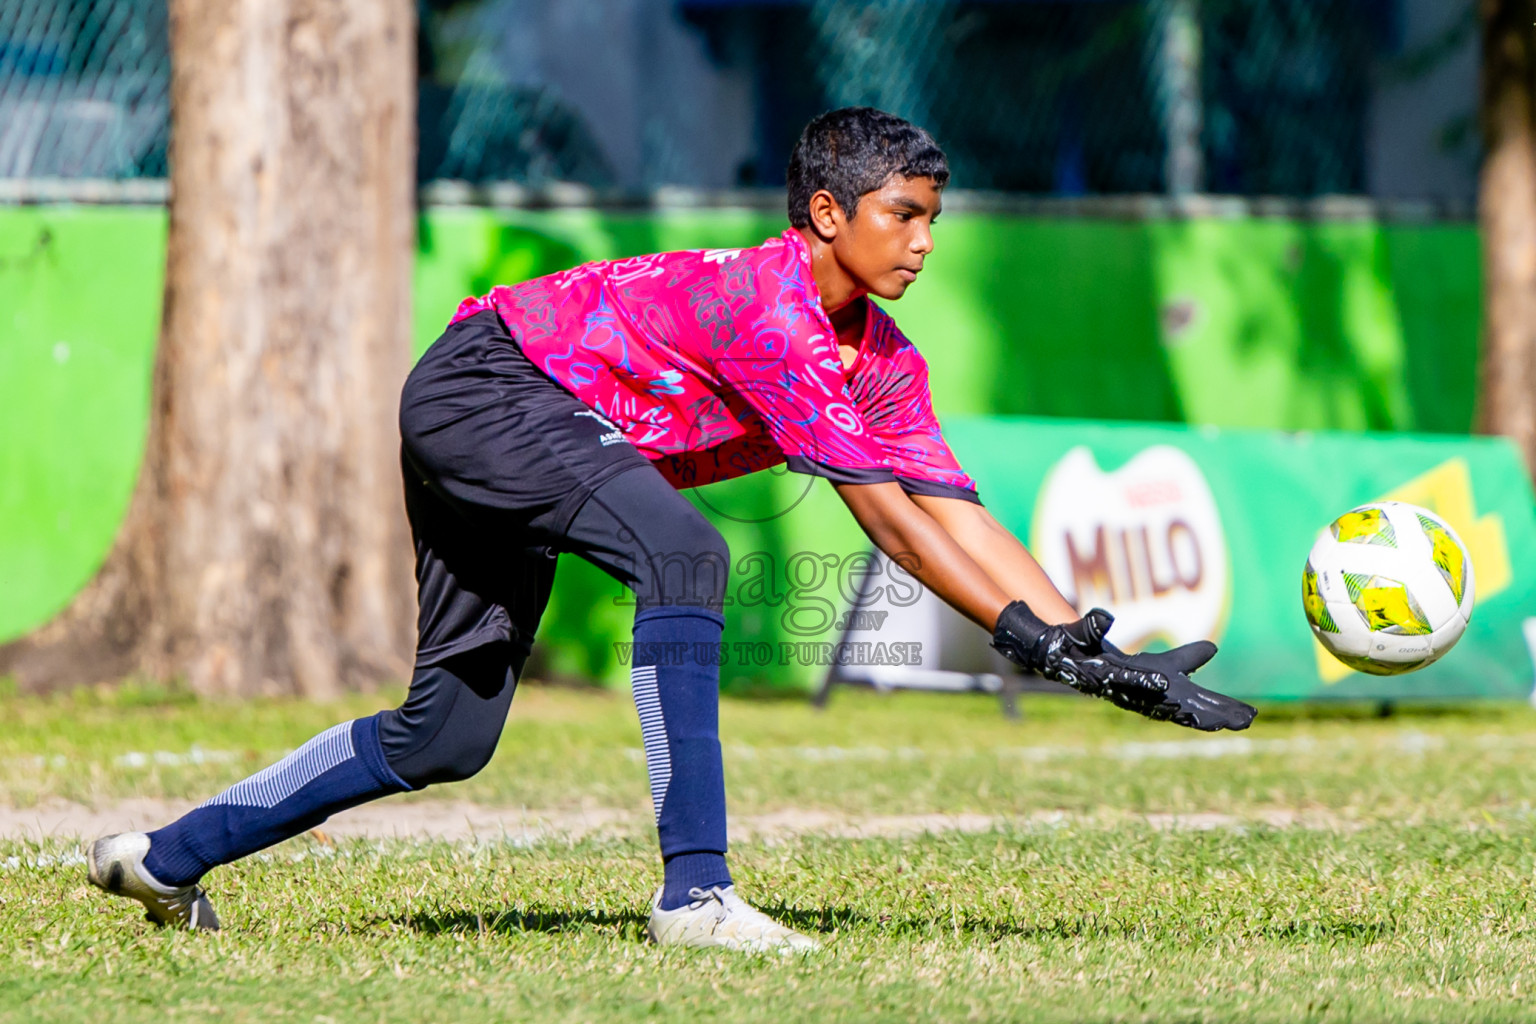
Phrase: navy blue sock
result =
(689, 871)
(340, 768)
(676, 677)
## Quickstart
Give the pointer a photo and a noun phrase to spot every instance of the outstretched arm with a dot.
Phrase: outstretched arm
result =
(991, 546)
(927, 550)
(970, 560)
(956, 549)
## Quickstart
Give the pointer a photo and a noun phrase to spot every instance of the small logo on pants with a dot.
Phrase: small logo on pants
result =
(614, 435)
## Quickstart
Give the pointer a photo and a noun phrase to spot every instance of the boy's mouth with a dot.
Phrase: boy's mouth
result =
(908, 274)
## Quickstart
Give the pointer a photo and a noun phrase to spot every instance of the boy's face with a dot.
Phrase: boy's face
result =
(883, 247)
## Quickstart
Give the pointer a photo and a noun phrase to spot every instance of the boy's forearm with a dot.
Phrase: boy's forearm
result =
(991, 546)
(922, 546)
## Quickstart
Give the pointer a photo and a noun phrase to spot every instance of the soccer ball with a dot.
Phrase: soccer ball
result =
(1388, 588)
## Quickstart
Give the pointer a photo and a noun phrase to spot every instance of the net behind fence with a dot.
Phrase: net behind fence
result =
(1073, 97)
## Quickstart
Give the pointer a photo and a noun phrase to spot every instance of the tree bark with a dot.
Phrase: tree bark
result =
(265, 550)
(1507, 219)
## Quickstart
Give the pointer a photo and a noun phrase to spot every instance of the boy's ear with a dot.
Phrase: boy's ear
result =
(827, 216)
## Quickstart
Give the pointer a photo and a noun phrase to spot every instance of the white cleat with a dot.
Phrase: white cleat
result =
(718, 918)
(116, 864)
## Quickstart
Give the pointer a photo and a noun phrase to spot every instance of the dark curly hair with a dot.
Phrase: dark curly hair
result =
(855, 150)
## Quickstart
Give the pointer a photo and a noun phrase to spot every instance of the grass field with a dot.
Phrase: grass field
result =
(1330, 867)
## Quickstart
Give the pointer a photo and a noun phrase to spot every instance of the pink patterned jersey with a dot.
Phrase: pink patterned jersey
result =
(722, 362)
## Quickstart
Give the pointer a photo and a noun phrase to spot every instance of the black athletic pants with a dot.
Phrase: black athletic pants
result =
(504, 471)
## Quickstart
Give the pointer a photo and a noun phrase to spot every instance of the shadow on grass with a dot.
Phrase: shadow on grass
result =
(823, 921)
(1333, 931)
(554, 921)
(505, 921)
(814, 921)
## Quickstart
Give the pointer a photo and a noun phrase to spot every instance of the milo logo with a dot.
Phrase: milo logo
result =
(1144, 542)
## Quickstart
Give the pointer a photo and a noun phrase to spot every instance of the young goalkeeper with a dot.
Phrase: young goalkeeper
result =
(562, 415)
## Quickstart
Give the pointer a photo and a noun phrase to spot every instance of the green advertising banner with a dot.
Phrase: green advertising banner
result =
(1245, 323)
(1198, 533)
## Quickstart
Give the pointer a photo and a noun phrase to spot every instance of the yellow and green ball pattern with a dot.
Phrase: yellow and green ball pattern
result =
(1449, 556)
(1386, 605)
(1312, 600)
(1364, 526)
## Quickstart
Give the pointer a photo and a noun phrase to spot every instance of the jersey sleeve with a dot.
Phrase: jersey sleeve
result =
(895, 403)
(784, 366)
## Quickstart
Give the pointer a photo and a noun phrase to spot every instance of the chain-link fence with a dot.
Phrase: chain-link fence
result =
(1249, 97)
(1073, 97)
(83, 88)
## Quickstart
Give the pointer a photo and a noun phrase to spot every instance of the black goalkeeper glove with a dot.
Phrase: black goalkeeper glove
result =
(1155, 685)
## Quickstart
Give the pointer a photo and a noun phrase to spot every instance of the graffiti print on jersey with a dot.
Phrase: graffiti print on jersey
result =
(719, 363)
